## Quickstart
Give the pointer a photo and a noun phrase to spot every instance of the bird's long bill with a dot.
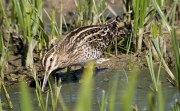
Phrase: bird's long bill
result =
(46, 76)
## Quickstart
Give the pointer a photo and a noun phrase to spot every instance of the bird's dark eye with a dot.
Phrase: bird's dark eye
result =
(51, 59)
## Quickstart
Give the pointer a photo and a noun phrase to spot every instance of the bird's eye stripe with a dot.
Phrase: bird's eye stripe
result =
(49, 68)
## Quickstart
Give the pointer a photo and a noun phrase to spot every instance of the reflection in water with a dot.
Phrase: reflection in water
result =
(103, 81)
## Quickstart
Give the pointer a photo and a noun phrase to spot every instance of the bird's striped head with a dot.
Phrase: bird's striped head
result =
(50, 64)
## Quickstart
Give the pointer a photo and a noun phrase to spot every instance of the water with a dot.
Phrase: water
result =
(104, 81)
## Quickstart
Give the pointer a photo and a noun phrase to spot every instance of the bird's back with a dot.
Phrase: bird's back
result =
(89, 42)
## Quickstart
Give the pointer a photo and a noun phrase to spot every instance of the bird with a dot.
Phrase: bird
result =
(80, 46)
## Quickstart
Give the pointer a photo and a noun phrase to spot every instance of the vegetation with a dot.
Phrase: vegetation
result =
(148, 18)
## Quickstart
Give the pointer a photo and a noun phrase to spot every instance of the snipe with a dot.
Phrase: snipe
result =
(80, 46)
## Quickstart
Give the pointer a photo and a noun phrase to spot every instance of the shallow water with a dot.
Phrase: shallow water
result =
(104, 81)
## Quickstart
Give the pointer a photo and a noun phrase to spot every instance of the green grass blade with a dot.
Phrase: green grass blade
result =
(127, 97)
(4, 15)
(152, 102)
(103, 101)
(7, 96)
(151, 69)
(113, 93)
(26, 102)
(161, 100)
(19, 13)
(39, 94)
(136, 4)
(157, 7)
(59, 96)
(63, 105)
(176, 53)
(143, 10)
(84, 102)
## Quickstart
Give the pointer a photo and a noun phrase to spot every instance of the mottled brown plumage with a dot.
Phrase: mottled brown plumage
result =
(80, 46)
